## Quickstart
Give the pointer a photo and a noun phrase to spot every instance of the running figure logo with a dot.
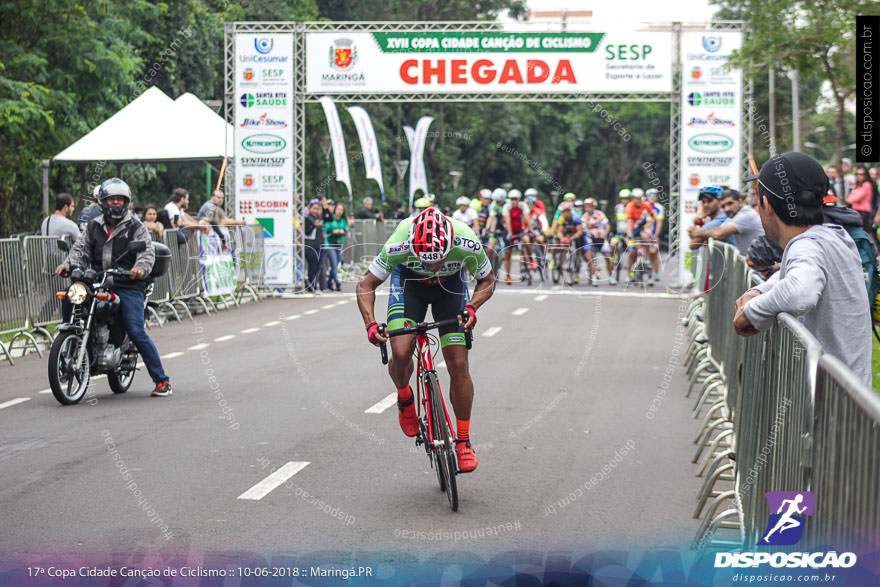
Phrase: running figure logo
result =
(786, 526)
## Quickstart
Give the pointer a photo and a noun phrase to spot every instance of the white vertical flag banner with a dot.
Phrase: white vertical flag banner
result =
(418, 179)
(369, 145)
(338, 141)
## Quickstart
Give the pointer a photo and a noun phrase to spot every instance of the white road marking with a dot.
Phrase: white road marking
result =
(14, 402)
(341, 302)
(198, 347)
(272, 323)
(541, 298)
(383, 405)
(657, 293)
(224, 338)
(292, 317)
(264, 487)
(310, 312)
(171, 356)
(520, 311)
(492, 331)
(249, 330)
(45, 391)
(327, 306)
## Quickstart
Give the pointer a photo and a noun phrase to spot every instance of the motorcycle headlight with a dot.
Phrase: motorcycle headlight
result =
(77, 293)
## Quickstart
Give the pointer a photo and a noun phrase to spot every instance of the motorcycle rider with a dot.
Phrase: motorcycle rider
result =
(102, 246)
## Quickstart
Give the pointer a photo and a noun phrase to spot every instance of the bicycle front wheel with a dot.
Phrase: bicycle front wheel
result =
(444, 449)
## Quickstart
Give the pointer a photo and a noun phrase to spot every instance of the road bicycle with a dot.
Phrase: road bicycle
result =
(641, 269)
(436, 432)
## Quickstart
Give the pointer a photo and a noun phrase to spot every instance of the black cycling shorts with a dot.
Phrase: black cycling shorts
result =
(410, 297)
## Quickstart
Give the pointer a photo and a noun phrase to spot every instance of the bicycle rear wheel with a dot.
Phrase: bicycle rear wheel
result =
(444, 454)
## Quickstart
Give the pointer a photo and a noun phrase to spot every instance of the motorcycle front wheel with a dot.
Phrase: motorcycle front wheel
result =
(69, 382)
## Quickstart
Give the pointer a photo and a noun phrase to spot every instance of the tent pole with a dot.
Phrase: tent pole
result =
(45, 165)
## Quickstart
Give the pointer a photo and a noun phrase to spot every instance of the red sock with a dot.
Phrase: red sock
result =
(464, 428)
(405, 394)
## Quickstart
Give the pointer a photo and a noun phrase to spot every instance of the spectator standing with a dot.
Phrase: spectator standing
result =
(835, 181)
(334, 234)
(91, 211)
(313, 230)
(174, 206)
(367, 212)
(151, 221)
(400, 212)
(849, 178)
(59, 223)
(820, 280)
(861, 198)
(743, 223)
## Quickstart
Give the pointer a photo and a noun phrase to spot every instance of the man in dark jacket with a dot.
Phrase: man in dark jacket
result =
(103, 245)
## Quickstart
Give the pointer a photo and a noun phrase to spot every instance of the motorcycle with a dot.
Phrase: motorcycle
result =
(94, 341)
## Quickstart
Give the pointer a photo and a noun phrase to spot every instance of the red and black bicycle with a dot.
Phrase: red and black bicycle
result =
(436, 431)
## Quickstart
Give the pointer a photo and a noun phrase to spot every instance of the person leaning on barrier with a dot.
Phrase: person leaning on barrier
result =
(103, 245)
(151, 221)
(367, 213)
(764, 256)
(743, 224)
(820, 280)
(213, 214)
(709, 216)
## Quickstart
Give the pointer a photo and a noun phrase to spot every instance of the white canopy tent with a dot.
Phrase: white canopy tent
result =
(153, 127)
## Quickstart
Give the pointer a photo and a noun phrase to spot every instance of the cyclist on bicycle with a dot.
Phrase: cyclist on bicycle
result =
(640, 219)
(533, 193)
(599, 231)
(515, 215)
(492, 233)
(567, 201)
(654, 248)
(426, 258)
(567, 229)
(465, 213)
(620, 212)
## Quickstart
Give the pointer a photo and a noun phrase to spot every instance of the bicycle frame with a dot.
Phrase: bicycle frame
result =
(426, 365)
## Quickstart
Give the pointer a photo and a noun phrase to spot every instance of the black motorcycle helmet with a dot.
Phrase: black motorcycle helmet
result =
(114, 187)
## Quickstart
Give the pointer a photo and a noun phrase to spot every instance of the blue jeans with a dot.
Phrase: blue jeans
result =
(132, 308)
(334, 253)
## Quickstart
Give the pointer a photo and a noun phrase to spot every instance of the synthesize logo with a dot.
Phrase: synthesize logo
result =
(265, 45)
(711, 43)
(786, 526)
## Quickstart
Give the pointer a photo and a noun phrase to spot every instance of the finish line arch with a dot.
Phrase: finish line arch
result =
(410, 56)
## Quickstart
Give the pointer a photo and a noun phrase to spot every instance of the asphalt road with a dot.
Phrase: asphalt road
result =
(568, 382)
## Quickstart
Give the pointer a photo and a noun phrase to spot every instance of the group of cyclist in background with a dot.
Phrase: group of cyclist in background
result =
(579, 233)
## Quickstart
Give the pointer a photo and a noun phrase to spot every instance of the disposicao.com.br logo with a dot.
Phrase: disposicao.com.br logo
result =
(788, 511)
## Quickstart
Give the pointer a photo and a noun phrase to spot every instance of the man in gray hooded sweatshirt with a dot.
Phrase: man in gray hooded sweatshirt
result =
(820, 280)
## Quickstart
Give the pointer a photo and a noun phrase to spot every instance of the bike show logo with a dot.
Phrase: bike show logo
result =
(262, 122)
(343, 54)
(712, 43)
(722, 99)
(711, 120)
(264, 99)
(710, 143)
(263, 144)
(788, 516)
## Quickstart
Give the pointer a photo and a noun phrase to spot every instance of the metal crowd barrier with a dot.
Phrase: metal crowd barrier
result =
(778, 415)
(28, 306)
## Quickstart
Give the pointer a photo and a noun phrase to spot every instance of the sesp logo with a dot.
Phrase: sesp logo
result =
(712, 43)
(264, 45)
(786, 526)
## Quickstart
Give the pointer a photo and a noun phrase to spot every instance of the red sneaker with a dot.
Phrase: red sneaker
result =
(467, 459)
(406, 414)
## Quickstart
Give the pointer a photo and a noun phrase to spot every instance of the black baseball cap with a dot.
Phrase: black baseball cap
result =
(791, 173)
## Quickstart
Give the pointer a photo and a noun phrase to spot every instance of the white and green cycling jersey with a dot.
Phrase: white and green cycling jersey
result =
(466, 253)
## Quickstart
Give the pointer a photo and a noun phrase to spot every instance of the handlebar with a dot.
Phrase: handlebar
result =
(422, 328)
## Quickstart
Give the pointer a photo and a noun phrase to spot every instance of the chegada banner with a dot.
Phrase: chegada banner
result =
(488, 61)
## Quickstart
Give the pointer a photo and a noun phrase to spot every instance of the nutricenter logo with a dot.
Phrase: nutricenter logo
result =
(710, 143)
(263, 143)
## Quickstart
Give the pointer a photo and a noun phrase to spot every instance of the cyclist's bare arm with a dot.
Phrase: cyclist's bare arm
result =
(366, 299)
(507, 224)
